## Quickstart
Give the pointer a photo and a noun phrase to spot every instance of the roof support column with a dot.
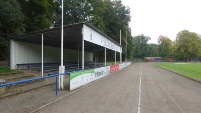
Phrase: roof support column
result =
(115, 56)
(120, 52)
(105, 56)
(42, 56)
(120, 58)
(95, 57)
(126, 47)
(82, 53)
(78, 59)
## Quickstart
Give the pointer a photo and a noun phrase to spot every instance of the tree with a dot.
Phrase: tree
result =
(38, 14)
(152, 50)
(140, 46)
(11, 23)
(164, 46)
(11, 18)
(77, 11)
(188, 45)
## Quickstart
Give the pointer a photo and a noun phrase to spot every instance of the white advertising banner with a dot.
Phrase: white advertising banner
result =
(80, 78)
(99, 73)
(123, 65)
(107, 70)
(83, 77)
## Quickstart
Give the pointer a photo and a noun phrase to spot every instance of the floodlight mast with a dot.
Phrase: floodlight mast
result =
(61, 68)
(62, 36)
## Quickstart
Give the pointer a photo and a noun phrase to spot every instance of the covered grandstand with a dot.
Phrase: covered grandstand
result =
(81, 40)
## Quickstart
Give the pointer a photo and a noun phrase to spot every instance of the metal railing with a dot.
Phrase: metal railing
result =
(56, 75)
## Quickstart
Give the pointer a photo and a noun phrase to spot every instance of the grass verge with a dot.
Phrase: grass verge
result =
(191, 70)
(6, 70)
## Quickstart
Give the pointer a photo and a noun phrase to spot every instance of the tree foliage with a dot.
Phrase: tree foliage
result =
(38, 14)
(141, 46)
(11, 23)
(11, 18)
(152, 50)
(188, 45)
(164, 46)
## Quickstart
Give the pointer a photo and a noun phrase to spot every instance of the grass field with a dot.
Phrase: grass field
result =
(191, 70)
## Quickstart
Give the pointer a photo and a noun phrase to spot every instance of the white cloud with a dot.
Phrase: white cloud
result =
(164, 17)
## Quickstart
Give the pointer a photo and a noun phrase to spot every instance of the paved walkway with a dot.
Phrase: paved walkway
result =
(139, 88)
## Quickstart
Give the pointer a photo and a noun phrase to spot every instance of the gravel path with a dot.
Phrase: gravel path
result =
(139, 88)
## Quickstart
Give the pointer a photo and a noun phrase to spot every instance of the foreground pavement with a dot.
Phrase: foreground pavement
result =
(139, 88)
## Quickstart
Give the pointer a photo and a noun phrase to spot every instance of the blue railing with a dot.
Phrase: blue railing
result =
(37, 78)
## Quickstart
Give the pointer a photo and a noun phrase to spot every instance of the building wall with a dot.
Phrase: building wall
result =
(22, 52)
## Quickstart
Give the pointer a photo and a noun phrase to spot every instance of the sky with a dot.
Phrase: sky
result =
(164, 17)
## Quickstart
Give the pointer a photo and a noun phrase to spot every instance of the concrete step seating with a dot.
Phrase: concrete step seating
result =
(27, 71)
(21, 75)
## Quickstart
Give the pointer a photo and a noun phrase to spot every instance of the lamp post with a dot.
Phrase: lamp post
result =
(61, 68)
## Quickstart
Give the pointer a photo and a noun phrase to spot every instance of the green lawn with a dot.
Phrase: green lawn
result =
(192, 70)
(6, 70)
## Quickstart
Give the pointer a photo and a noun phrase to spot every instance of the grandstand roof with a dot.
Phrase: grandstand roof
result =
(72, 37)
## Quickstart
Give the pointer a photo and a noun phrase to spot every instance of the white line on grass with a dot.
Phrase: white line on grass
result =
(139, 99)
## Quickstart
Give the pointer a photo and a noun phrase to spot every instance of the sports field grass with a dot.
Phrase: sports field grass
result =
(191, 70)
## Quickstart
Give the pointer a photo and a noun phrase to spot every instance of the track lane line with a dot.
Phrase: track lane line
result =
(139, 95)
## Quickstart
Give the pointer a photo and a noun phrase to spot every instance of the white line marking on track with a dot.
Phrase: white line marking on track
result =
(139, 99)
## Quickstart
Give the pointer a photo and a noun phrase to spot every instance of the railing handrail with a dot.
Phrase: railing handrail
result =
(32, 79)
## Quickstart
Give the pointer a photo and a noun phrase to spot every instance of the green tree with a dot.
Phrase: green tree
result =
(11, 18)
(11, 23)
(140, 46)
(152, 50)
(188, 45)
(39, 14)
(164, 46)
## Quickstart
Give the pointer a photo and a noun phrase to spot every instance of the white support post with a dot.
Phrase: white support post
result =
(78, 59)
(95, 57)
(115, 57)
(82, 53)
(120, 37)
(126, 47)
(42, 56)
(105, 56)
(121, 51)
(120, 58)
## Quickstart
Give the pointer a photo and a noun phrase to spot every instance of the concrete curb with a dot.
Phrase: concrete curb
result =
(24, 91)
(179, 74)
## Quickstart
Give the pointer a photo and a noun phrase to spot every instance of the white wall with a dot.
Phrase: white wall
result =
(96, 38)
(22, 52)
